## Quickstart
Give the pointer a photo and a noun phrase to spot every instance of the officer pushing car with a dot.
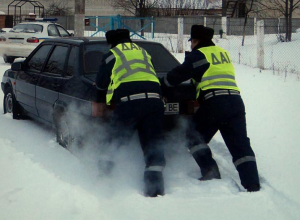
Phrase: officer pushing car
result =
(221, 108)
(129, 77)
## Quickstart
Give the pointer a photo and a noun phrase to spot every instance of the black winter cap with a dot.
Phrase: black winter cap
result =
(201, 32)
(123, 34)
(114, 36)
(111, 36)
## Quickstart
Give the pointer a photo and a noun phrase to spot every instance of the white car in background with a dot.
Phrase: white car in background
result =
(23, 38)
(2, 31)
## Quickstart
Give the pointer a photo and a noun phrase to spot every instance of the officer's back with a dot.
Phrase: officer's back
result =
(131, 82)
(131, 87)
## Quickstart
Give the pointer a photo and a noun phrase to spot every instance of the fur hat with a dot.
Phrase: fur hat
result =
(201, 32)
(111, 36)
(115, 36)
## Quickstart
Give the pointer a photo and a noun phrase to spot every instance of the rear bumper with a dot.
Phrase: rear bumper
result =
(16, 50)
(172, 122)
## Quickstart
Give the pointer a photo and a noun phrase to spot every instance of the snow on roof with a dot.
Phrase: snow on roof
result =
(2, 13)
(209, 4)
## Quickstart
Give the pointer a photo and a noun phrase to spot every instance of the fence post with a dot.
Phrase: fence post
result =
(79, 18)
(204, 22)
(152, 26)
(97, 22)
(112, 22)
(255, 26)
(260, 44)
(224, 26)
(119, 18)
(180, 35)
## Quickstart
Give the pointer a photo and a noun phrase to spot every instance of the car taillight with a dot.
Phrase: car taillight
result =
(2, 38)
(33, 40)
(98, 109)
(192, 107)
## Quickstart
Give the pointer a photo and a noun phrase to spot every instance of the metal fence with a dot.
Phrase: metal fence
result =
(279, 56)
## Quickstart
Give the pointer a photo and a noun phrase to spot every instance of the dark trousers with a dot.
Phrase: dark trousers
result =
(146, 116)
(227, 114)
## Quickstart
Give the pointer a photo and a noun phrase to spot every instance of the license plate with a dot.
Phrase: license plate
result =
(17, 41)
(172, 109)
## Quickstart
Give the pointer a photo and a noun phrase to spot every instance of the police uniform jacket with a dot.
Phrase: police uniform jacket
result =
(103, 80)
(186, 70)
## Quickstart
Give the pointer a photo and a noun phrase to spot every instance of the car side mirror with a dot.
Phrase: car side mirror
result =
(16, 66)
(71, 35)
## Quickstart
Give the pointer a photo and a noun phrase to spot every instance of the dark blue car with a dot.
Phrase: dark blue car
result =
(55, 84)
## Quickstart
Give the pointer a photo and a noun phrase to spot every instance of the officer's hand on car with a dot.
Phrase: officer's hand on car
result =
(164, 88)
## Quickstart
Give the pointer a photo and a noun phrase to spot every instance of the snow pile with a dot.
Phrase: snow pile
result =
(41, 180)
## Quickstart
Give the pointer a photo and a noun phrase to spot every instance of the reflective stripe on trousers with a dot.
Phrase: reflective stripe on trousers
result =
(198, 148)
(244, 160)
(154, 168)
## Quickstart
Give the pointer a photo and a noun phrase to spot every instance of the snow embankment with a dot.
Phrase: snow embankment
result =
(41, 180)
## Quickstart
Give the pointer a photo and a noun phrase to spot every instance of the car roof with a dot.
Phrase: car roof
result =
(86, 40)
(43, 23)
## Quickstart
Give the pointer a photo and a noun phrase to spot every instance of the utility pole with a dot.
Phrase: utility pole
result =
(224, 8)
(79, 17)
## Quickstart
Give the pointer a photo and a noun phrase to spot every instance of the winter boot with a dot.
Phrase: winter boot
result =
(154, 184)
(211, 173)
(253, 188)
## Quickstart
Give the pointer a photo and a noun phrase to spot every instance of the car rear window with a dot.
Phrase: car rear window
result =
(162, 60)
(27, 28)
(93, 54)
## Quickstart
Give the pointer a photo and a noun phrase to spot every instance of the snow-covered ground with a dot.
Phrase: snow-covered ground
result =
(41, 180)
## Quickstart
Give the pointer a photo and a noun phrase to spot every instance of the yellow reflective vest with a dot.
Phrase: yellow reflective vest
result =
(133, 63)
(220, 74)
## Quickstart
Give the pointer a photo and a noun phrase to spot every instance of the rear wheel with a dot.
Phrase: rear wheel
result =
(67, 132)
(8, 59)
(63, 132)
(10, 104)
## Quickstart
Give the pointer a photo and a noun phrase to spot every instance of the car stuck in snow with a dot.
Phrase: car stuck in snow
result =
(57, 81)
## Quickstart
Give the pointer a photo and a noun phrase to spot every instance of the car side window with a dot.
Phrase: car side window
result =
(62, 31)
(71, 63)
(52, 31)
(37, 61)
(56, 62)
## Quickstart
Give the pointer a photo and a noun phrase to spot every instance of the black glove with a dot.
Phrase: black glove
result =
(163, 86)
(187, 53)
(161, 80)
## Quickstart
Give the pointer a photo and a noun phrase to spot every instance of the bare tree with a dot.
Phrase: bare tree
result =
(138, 8)
(248, 9)
(182, 7)
(58, 8)
(282, 7)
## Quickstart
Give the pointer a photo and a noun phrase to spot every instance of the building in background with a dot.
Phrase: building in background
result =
(93, 7)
